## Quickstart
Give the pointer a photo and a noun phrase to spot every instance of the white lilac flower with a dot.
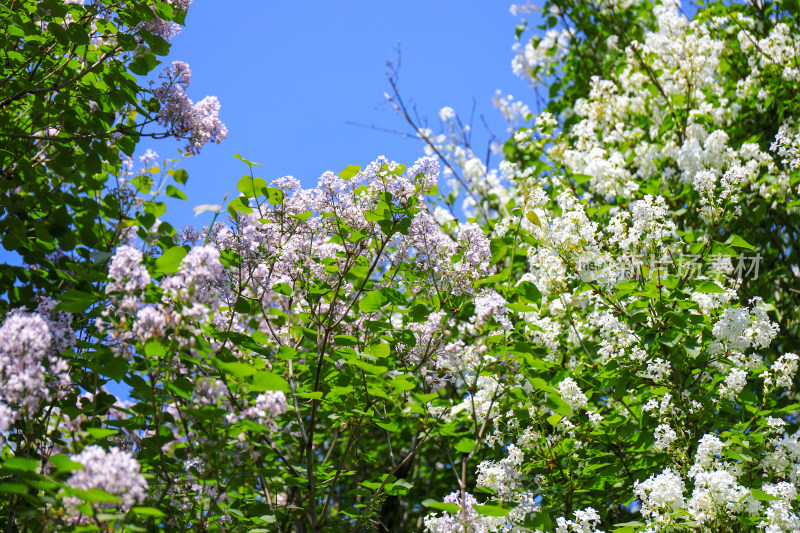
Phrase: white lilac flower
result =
(198, 276)
(715, 492)
(466, 520)
(126, 271)
(501, 476)
(661, 495)
(665, 436)
(785, 369)
(734, 383)
(150, 323)
(572, 394)
(25, 346)
(586, 521)
(779, 515)
(115, 472)
(446, 114)
(268, 406)
(741, 328)
(489, 304)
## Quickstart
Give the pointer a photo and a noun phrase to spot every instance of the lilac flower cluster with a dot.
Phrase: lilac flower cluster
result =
(163, 28)
(26, 358)
(127, 273)
(115, 471)
(199, 122)
(267, 407)
(198, 276)
(465, 520)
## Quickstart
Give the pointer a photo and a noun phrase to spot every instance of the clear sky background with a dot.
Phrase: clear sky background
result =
(291, 75)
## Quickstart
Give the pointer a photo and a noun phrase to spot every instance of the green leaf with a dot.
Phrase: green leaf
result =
(388, 426)
(174, 192)
(737, 242)
(143, 64)
(316, 395)
(239, 204)
(154, 348)
(77, 34)
(21, 463)
(235, 369)
(441, 506)
(127, 42)
(381, 213)
(558, 405)
(13, 488)
(242, 305)
(372, 301)
(554, 419)
(465, 445)
(274, 195)
(147, 511)
(528, 292)
(170, 260)
(349, 171)
(708, 287)
(402, 383)
(97, 495)
(115, 368)
(498, 249)
(75, 301)
(101, 433)
(380, 350)
(287, 353)
(367, 367)
(180, 176)
(345, 340)
(282, 288)
(626, 527)
(64, 463)
(269, 381)
(242, 159)
(251, 187)
(491, 510)
(530, 215)
(762, 496)
(59, 33)
(541, 521)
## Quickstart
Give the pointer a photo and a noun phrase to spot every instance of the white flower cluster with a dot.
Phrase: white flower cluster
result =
(741, 328)
(586, 521)
(572, 394)
(114, 471)
(466, 520)
(267, 407)
(29, 365)
(660, 495)
(501, 476)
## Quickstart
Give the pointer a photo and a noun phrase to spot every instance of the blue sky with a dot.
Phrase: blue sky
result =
(291, 75)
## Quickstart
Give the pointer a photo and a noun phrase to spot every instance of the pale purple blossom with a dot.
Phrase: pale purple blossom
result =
(199, 122)
(25, 345)
(466, 520)
(115, 471)
(150, 323)
(489, 304)
(268, 406)
(477, 252)
(198, 277)
(126, 271)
